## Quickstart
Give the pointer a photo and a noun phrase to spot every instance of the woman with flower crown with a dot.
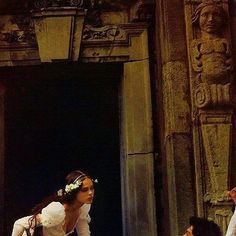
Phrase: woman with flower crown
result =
(62, 213)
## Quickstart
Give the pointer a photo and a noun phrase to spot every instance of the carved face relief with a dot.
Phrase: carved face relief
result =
(211, 20)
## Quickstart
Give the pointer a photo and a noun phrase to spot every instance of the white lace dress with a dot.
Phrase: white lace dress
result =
(52, 219)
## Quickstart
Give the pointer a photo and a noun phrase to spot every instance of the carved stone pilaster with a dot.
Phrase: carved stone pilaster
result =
(211, 74)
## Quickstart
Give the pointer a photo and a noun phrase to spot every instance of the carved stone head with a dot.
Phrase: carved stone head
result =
(210, 16)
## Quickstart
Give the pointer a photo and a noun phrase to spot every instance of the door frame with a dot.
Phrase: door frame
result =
(129, 47)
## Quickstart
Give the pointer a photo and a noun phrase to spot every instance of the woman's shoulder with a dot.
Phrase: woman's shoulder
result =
(53, 214)
(54, 207)
(84, 211)
(85, 208)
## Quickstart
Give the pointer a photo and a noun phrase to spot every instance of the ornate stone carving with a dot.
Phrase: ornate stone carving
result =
(18, 29)
(102, 33)
(111, 34)
(142, 11)
(211, 57)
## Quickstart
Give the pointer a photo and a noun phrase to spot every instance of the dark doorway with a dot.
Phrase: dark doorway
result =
(60, 118)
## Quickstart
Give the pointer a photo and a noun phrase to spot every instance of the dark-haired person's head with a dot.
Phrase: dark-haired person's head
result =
(202, 227)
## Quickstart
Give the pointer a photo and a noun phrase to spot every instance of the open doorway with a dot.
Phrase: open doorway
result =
(60, 118)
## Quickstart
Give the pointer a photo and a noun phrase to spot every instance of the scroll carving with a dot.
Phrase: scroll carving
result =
(211, 57)
(19, 30)
(104, 33)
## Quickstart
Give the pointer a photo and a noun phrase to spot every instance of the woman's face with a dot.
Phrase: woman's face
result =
(232, 194)
(189, 231)
(86, 193)
(210, 19)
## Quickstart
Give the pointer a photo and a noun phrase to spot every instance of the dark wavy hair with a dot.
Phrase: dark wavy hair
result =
(63, 198)
(204, 227)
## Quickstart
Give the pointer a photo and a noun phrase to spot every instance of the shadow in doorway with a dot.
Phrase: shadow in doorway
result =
(60, 118)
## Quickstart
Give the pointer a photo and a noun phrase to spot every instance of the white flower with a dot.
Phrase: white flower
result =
(71, 187)
(60, 192)
(95, 181)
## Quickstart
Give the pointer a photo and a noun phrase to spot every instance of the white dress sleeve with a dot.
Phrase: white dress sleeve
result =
(21, 225)
(52, 215)
(231, 231)
(82, 226)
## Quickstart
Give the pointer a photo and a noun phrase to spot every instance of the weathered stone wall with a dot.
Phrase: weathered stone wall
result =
(176, 140)
(193, 90)
(196, 82)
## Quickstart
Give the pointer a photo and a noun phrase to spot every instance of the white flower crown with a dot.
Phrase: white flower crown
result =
(70, 187)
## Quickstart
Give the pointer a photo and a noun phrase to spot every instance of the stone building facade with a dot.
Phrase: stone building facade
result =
(173, 63)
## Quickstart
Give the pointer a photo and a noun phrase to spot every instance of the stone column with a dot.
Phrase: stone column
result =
(211, 81)
(176, 142)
